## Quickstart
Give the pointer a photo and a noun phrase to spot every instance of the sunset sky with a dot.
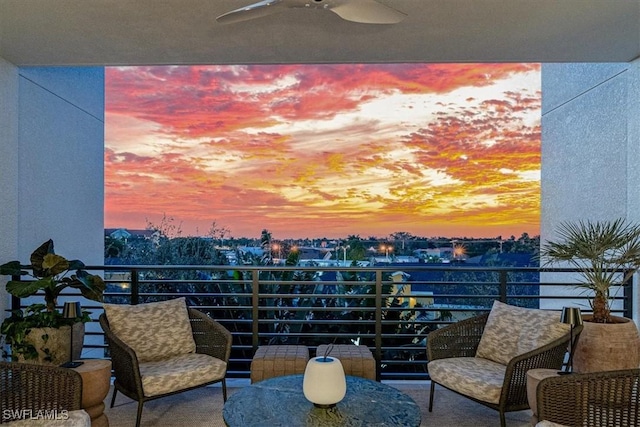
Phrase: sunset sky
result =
(325, 150)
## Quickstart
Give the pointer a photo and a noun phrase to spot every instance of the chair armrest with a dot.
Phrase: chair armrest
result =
(593, 399)
(549, 356)
(27, 386)
(459, 339)
(124, 360)
(210, 336)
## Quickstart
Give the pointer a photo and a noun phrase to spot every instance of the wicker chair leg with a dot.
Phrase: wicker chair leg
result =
(503, 420)
(224, 389)
(139, 416)
(433, 389)
(113, 397)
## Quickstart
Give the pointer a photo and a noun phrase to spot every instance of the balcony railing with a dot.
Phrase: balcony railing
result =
(390, 309)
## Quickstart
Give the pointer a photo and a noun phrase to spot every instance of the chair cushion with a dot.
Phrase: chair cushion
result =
(475, 377)
(180, 372)
(511, 331)
(155, 331)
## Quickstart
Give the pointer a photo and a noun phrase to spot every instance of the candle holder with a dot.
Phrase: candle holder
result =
(570, 316)
(324, 383)
(71, 310)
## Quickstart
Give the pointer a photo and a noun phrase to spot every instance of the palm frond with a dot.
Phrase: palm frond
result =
(599, 250)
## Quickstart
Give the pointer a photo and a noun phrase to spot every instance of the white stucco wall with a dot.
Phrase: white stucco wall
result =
(51, 160)
(61, 137)
(584, 143)
(8, 171)
(590, 147)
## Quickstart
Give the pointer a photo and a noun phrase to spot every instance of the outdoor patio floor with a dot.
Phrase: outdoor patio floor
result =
(203, 407)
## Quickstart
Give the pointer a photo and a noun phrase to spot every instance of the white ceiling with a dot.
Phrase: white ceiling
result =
(135, 32)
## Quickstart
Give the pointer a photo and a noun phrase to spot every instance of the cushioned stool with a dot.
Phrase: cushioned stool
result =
(278, 360)
(356, 360)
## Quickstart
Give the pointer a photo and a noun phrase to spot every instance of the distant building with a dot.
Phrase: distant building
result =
(126, 234)
(444, 252)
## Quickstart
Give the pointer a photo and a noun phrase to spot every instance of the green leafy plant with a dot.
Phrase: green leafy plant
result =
(600, 250)
(16, 327)
(50, 274)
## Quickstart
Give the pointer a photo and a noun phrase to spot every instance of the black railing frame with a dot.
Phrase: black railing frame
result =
(379, 297)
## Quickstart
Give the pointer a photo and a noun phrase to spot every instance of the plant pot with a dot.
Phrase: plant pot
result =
(607, 346)
(53, 344)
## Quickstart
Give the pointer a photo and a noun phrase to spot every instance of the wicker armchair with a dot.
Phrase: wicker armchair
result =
(599, 399)
(458, 344)
(28, 387)
(210, 338)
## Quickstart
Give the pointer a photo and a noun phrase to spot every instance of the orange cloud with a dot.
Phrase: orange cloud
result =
(326, 150)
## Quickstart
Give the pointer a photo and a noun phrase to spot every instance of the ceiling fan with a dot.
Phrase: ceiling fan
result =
(362, 11)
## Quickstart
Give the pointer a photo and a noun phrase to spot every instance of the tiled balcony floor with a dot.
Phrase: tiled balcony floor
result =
(203, 407)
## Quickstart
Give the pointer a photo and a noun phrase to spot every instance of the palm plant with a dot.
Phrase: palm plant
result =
(600, 250)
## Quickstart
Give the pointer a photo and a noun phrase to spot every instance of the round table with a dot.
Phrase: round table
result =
(96, 379)
(279, 401)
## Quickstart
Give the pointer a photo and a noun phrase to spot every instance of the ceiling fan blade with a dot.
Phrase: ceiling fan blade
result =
(253, 11)
(368, 12)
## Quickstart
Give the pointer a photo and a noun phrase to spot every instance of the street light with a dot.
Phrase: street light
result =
(276, 247)
(386, 249)
(344, 254)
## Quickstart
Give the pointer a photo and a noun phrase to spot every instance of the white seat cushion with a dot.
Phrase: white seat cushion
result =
(475, 377)
(180, 372)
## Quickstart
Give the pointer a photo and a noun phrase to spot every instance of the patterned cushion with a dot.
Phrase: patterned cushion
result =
(479, 378)
(180, 372)
(511, 331)
(155, 331)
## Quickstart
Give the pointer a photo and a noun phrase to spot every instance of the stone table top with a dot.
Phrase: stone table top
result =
(279, 401)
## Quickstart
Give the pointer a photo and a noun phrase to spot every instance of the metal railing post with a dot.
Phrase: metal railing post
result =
(15, 301)
(627, 297)
(255, 312)
(503, 286)
(378, 327)
(135, 287)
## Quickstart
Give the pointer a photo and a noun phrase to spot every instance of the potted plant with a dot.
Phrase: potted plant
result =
(52, 274)
(605, 254)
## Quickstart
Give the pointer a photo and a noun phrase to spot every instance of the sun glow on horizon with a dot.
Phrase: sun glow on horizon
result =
(325, 150)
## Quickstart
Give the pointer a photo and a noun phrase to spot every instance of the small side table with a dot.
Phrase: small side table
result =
(356, 360)
(278, 360)
(96, 380)
(534, 376)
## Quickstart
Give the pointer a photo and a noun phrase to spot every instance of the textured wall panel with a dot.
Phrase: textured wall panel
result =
(76, 85)
(8, 170)
(584, 148)
(562, 83)
(61, 162)
(633, 136)
(590, 150)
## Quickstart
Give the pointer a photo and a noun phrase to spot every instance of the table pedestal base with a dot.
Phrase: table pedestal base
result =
(96, 379)
(534, 376)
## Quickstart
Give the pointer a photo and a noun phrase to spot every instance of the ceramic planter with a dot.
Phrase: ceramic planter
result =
(607, 346)
(53, 344)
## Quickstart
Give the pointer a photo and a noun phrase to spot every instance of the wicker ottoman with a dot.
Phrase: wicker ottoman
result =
(356, 360)
(277, 360)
